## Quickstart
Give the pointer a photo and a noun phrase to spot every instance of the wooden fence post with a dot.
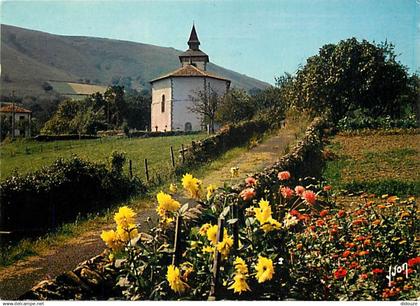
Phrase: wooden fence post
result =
(177, 242)
(146, 169)
(215, 283)
(172, 157)
(182, 153)
(130, 168)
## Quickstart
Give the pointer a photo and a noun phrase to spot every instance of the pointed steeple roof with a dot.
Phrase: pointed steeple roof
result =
(193, 42)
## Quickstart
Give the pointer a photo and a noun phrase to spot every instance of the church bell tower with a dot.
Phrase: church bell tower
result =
(194, 56)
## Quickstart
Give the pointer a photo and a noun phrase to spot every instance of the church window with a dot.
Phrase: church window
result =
(162, 104)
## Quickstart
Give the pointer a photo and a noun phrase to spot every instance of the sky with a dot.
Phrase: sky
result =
(259, 38)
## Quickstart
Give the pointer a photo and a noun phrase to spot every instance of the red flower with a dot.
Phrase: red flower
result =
(247, 194)
(360, 238)
(295, 213)
(341, 272)
(413, 261)
(377, 271)
(286, 192)
(327, 187)
(304, 217)
(320, 222)
(323, 213)
(250, 181)
(358, 221)
(346, 253)
(341, 213)
(353, 265)
(284, 175)
(309, 196)
(299, 190)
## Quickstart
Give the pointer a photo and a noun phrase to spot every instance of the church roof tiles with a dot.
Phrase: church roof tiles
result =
(189, 71)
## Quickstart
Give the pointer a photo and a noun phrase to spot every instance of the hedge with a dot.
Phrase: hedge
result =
(64, 137)
(59, 193)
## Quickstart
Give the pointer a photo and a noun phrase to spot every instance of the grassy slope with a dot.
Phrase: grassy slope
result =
(24, 156)
(31, 57)
(386, 164)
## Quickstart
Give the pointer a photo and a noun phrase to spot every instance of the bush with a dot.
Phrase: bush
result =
(357, 122)
(59, 193)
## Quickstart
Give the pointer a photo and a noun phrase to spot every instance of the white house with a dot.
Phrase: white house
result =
(18, 117)
(172, 93)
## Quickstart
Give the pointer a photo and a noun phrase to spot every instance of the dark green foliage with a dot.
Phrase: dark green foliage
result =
(60, 192)
(352, 75)
(384, 186)
(235, 106)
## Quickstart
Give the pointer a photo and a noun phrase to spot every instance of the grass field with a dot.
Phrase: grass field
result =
(24, 156)
(380, 164)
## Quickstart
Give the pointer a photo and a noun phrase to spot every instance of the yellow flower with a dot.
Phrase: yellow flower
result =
(111, 240)
(240, 266)
(210, 190)
(125, 216)
(204, 228)
(290, 220)
(224, 246)
(264, 269)
(192, 185)
(174, 279)
(194, 244)
(166, 221)
(207, 249)
(166, 202)
(125, 234)
(212, 234)
(161, 211)
(239, 285)
(270, 225)
(263, 213)
(234, 171)
(173, 188)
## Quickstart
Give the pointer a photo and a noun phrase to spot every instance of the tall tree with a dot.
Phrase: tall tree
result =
(348, 76)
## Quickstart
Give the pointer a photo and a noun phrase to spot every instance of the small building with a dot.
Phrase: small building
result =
(174, 92)
(22, 118)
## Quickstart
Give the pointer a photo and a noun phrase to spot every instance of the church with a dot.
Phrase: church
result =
(172, 93)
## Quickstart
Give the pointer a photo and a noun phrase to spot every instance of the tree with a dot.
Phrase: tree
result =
(235, 106)
(348, 76)
(205, 104)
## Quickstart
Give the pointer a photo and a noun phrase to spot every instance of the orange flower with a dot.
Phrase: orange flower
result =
(323, 213)
(413, 261)
(299, 190)
(350, 244)
(363, 253)
(376, 222)
(341, 213)
(353, 265)
(364, 276)
(309, 196)
(358, 221)
(320, 222)
(366, 242)
(327, 188)
(247, 194)
(284, 175)
(346, 253)
(299, 246)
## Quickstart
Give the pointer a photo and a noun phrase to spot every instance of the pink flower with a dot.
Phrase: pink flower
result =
(284, 175)
(286, 192)
(309, 196)
(250, 181)
(299, 190)
(247, 194)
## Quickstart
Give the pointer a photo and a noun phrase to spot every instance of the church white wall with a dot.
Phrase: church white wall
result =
(159, 119)
(183, 89)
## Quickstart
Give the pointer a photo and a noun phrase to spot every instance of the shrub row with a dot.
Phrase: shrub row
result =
(63, 137)
(60, 192)
(366, 122)
(144, 134)
(227, 138)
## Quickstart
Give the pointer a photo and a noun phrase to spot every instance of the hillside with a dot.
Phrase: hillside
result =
(29, 58)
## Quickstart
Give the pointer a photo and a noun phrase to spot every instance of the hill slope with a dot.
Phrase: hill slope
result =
(29, 58)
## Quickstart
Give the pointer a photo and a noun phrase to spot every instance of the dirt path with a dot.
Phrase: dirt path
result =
(23, 275)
